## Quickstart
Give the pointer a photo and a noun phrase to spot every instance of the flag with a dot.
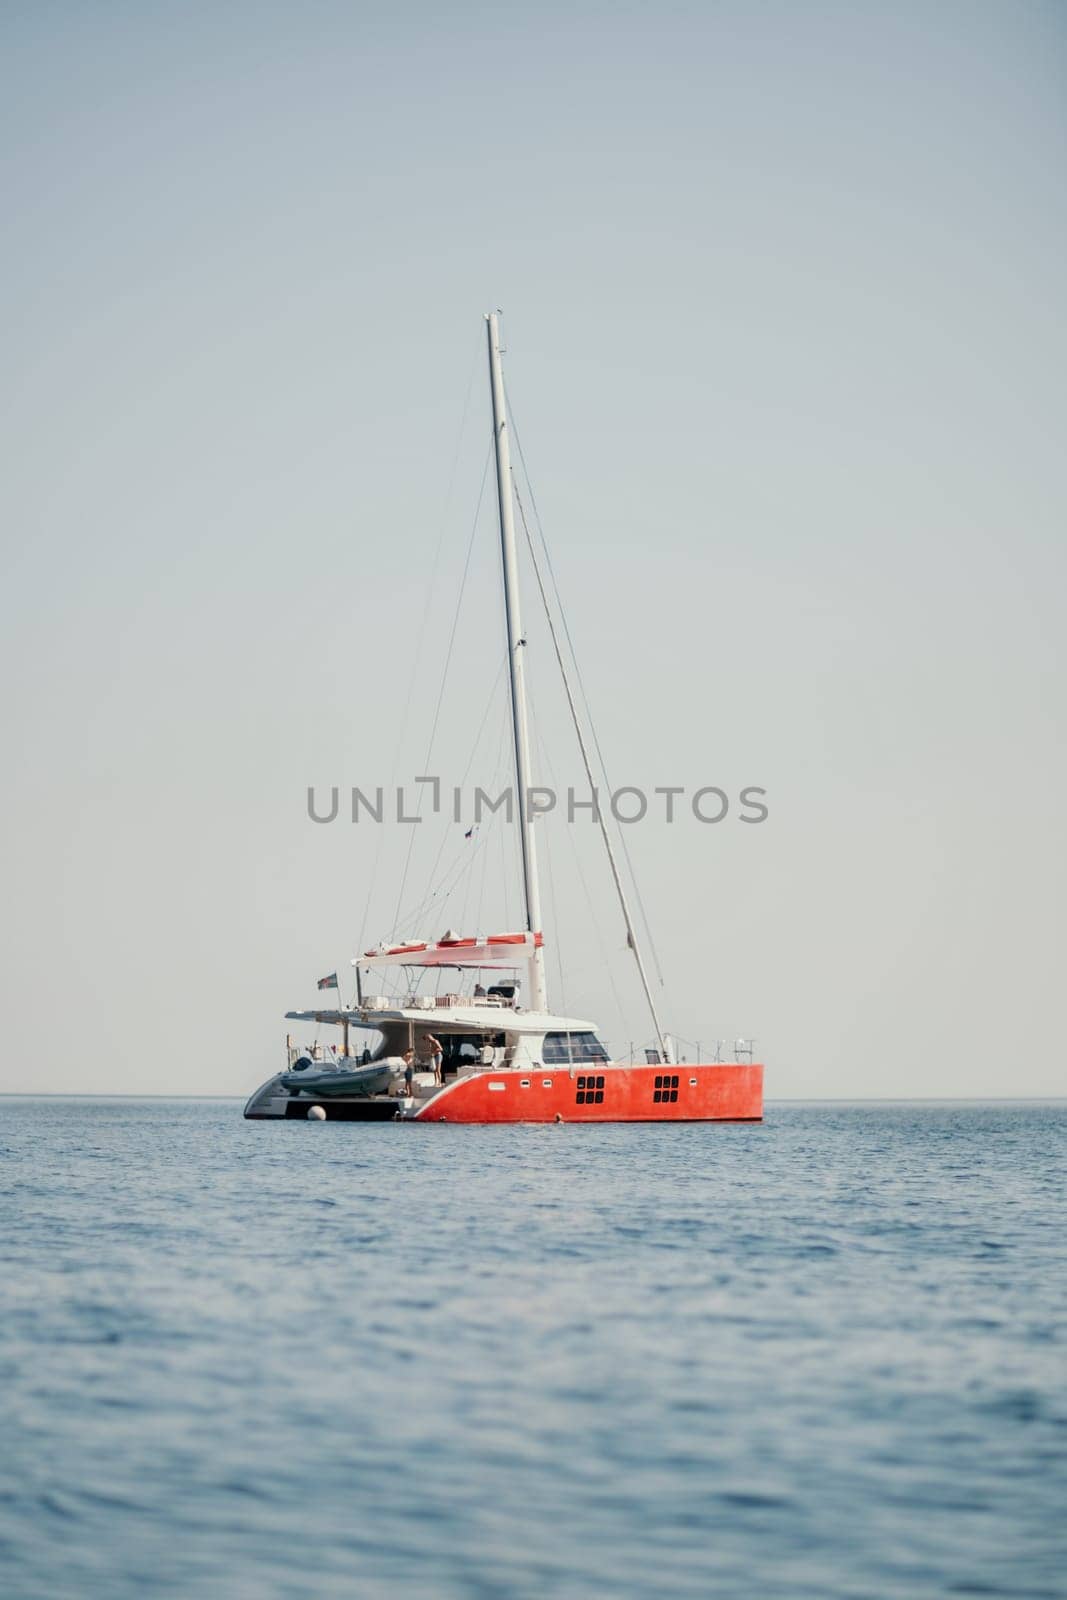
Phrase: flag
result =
(468, 833)
(330, 982)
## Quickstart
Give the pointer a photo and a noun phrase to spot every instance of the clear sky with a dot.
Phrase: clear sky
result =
(783, 289)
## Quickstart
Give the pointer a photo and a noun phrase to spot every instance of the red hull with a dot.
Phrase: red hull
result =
(719, 1092)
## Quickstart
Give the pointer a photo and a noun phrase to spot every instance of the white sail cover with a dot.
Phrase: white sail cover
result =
(481, 950)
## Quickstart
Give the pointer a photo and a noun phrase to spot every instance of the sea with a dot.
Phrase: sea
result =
(823, 1356)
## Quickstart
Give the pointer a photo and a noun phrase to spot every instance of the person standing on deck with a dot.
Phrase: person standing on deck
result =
(437, 1056)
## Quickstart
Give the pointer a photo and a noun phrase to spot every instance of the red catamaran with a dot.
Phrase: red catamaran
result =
(486, 1054)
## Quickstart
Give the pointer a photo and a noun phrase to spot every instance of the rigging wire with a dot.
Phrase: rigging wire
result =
(501, 754)
(594, 920)
(581, 686)
(630, 935)
(441, 691)
(470, 758)
(483, 844)
(464, 860)
(412, 916)
(547, 856)
(461, 867)
(445, 886)
(504, 863)
(413, 678)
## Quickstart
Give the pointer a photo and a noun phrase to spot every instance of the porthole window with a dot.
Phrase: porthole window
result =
(666, 1089)
(546, 1083)
(524, 1083)
(589, 1089)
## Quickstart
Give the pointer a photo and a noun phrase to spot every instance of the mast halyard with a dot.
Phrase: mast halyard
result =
(516, 644)
(666, 1051)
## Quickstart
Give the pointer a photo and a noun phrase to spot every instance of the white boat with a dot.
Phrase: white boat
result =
(505, 1055)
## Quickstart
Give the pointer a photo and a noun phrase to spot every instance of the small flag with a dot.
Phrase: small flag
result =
(468, 833)
(330, 982)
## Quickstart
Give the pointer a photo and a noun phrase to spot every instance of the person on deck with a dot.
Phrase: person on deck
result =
(401, 1067)
(437, 1056)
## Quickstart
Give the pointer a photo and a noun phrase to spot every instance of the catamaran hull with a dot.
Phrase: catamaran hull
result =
(716, 1092)
(711, 1092)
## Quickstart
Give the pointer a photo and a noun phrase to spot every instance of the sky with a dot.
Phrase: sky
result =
(782, 295)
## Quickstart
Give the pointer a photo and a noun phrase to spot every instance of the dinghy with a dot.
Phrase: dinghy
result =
(348, 1078)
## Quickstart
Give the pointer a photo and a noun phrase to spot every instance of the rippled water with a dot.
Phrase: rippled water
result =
(824, 1357)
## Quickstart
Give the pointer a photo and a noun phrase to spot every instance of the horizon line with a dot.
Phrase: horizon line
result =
(875, 1099)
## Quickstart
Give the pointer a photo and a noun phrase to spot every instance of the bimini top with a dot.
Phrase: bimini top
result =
(459, 1018)
(454, 950)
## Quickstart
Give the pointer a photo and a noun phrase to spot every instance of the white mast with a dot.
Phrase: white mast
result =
(516, 644)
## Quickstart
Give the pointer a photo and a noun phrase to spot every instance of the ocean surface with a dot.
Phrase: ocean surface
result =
(825, 1356)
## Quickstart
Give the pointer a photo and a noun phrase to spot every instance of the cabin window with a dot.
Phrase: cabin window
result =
(589, 1090)
(666, 1087)
(564, 1048)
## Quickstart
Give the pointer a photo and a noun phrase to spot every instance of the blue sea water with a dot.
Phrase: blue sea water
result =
(825, 1356)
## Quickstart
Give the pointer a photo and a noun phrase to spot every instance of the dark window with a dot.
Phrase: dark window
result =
(565, 1048)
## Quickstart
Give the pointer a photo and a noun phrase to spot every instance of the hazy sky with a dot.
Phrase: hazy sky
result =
(783, 289)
